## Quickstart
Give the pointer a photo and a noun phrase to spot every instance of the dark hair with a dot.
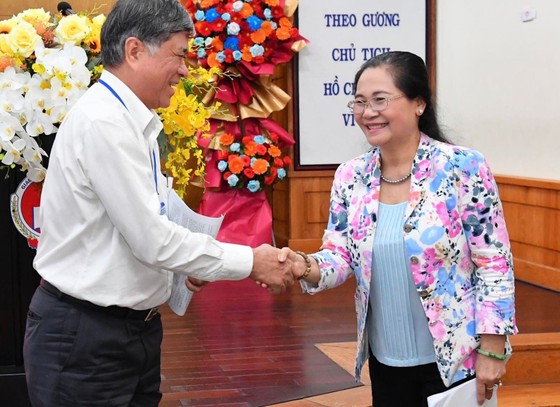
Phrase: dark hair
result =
(151, 21)
(411, 77)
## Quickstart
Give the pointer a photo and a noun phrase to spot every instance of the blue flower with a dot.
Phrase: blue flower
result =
(233, 180)
(253, 185)
(233, 28)
(200, 53)
(199, 15)
(254, 22)
(237, 55)
(267, 14)
(234, 147)
(226, 17)
(281, 173)
(208, 41)
(212, 15)
(221, 57)
(231, 43)
(259, 139)
(198, 42)
(222, 165)
(257, 50)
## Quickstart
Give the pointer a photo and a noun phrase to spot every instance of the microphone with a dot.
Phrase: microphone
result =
(65, 8)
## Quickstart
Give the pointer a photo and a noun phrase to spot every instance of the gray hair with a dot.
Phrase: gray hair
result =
(151, 21)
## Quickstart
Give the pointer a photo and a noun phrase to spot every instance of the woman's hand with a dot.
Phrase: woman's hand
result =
(489, 370)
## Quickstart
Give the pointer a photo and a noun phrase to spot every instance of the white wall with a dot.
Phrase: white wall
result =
(498, 82)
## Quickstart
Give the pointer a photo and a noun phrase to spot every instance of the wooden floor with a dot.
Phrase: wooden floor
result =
(238, 346)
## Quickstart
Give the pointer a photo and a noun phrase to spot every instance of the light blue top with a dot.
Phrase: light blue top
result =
(396, 323)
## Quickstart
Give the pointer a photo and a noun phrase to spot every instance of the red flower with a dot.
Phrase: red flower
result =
(249, 173)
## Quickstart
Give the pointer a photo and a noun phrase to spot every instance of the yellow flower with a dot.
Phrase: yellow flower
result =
(35, 15)
(73, 28)
(7, 25)
(21, 40)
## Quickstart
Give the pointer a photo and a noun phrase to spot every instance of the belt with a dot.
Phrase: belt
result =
(121, 312)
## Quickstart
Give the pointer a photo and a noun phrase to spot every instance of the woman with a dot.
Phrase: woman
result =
(419, 223)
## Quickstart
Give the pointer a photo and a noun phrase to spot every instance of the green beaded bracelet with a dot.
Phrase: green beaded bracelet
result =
(491, 354)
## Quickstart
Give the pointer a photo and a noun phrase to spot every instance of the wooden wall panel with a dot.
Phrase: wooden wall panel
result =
(531, 207)
(532, 210)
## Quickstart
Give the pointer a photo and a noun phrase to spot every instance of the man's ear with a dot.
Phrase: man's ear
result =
(134, 49)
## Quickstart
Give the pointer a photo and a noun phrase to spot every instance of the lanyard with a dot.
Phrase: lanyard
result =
(115, 94)
(153, 158)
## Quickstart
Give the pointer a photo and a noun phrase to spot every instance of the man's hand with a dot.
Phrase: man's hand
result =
(271, 269)
(194, 284)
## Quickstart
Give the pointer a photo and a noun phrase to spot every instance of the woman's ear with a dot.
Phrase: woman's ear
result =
(420, 107)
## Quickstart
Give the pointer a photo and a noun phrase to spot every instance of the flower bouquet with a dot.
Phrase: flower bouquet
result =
(247, 39)
(45, 66)
(253, 163)
(247, 166)
(256, 34)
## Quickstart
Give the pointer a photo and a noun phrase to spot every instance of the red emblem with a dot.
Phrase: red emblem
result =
(24, 205)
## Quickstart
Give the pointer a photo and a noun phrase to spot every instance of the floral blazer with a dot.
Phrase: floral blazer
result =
(455, 239)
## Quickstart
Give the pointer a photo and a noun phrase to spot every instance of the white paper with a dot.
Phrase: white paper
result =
(180, 213)
(463, 395)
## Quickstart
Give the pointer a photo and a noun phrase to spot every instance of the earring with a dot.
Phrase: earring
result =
(419, 112)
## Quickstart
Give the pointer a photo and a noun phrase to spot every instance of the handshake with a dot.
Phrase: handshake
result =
(274, 269)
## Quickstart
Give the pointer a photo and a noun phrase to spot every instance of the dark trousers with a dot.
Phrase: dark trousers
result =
(75, 356)
(404, 386)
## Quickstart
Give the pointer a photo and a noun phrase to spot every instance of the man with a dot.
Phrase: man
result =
(107, 250)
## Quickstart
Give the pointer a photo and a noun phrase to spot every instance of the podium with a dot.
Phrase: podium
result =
(18, 281)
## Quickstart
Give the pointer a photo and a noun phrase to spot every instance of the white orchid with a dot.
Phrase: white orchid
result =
(40, 83)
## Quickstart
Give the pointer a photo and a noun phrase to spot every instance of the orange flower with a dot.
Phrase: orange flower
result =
(285, 22)
(258, 36)
(246, 55)
(260, 166)
(246, 11)
(251, 148)
(283, 33)
(212, 61)
(226, 139)
(274, 151)
(236, 164)
(217, 44)
(266, 26)
(6, 62)
(261, 149)
(271, 3)
(208, 3)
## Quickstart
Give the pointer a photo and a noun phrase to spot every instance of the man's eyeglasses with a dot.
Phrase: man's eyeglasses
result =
(377, 104)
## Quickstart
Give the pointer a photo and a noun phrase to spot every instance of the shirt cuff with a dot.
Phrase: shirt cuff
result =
(237, 260)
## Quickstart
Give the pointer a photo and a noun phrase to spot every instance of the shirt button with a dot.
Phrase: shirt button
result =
(407, 228)
(414, 260)
(424, 294)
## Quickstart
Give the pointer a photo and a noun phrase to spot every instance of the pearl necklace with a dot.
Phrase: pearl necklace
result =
(395, 181)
